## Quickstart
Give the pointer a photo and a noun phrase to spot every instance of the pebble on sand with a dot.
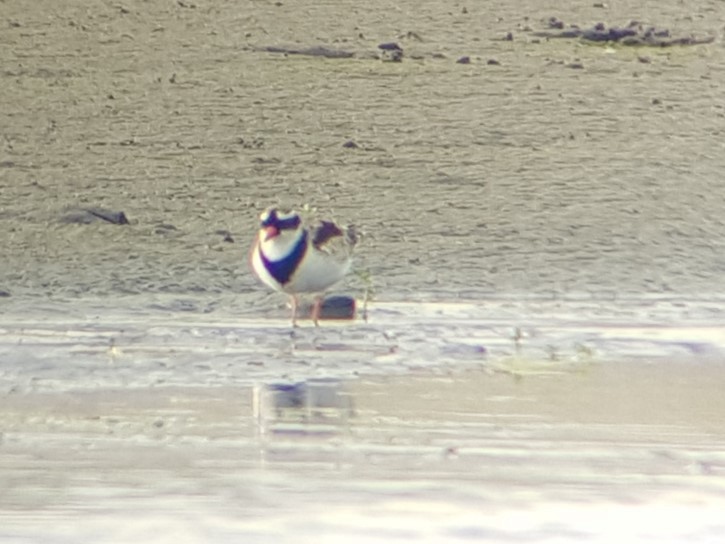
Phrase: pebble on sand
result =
(392, 52)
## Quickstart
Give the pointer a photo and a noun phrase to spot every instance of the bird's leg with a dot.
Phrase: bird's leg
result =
(316, 307)
(294, 309)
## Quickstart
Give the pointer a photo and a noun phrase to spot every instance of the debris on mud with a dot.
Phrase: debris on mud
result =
(86, 216)
(227, 236)
(634, 34)
(315, 51)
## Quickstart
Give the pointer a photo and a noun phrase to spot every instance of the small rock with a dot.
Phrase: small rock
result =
(338, 307)
(4, 293)
(392, 52)
(350, 144)
(333, 307)
(493, 62)
(464, 60)
(644, 60)
(509, 37)
(656, 101)
(575, 65)
(600, 5)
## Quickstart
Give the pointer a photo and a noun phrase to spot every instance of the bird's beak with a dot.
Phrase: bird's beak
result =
(270, 232)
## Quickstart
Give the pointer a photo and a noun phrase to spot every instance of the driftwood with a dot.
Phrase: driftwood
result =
(315, 51)
(85, 216)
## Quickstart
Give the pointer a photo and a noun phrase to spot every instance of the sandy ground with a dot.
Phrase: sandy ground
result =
(567, 195)
(526, 177)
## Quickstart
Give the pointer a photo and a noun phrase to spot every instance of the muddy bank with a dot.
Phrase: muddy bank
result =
(519, 176)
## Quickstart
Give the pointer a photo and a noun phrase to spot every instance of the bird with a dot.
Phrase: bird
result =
(295, 260)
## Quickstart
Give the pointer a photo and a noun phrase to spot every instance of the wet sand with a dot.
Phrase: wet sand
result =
(429, 423)
(543, 235)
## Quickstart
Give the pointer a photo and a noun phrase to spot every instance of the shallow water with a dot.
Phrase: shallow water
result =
(430, 422)
(544, 247)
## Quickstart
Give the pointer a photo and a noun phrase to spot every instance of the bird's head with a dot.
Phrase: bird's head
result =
(272, 222)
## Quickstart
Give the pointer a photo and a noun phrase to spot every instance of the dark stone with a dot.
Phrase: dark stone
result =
(392, 52)
(464, 60)
(333, 307)
(338, 307)
(390, 46)
(350, 144)
(493, 62)
(4, 293)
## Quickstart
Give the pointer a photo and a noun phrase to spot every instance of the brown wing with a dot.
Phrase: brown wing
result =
(323, 232)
